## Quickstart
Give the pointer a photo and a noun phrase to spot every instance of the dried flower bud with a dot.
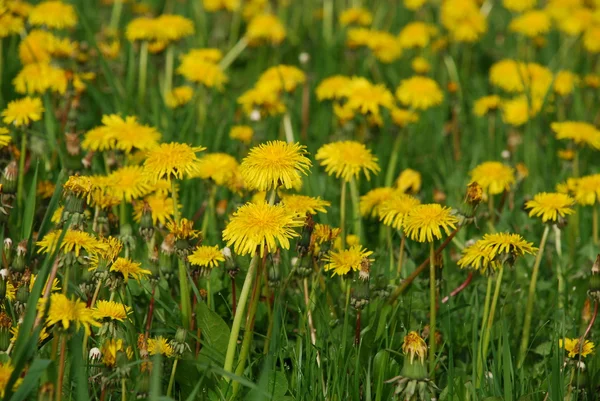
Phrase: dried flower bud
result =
(594, 289)
(9, 178)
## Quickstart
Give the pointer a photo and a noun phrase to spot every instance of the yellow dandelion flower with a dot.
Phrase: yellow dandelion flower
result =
(494, 177)
(334, 87)
(478, 257)
(129, 269)
(242, 133)
(64, 312)
(579, 132)
(385, 46)
(486, 104)
(172, 160)
(424, 223)
(370, 202)
(419, 93)
(591, 39)
(414, 4)
(324, 233)
(45, 189)
(367, 98)
(346, 260)
(420, 65)
(394, 210)
(403, 117)
(273, 164)
(263, 98)
(221, 168)
(141, 28)
(23, 111)
(74, 241)
(302, 204)
(10, 25)
(347, 159)
(53, 15)
(108, 253)
(195, 67)
(549, 206)
(39, 78)
(416, 35)
(110, 310)
(6, 371)
(586, 190)
(104, 200)
(531, 24)
(80, 185)
(265, 28)
(518, 6)
(463, 19)
(128, 183)
(343, 113)
(179, 96)
(161, 208)
(206, 256)
(357, 37)
(160, 345)
(409, 181)
(499, 244)
(356, 16)
(99, 139)
(171, 27)
(55, 284)
(565, 82)
(414, 346)
(565, 154)
(212, 6)
(40, 46)
(575, 21)
(184, 229)
(109, 350)
(110, 49)
(282, 77)
(130, 134)
(5, 137)
(574, 347)
(261, 227)
(518, 111)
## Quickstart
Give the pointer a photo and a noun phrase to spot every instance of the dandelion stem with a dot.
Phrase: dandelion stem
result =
(143, 72)
(116, 14)
(391, 168)
(237, 319)
(486, 311)
(328, 21)
(490, 320)
(172, 378)
(432, 310)
(559, 267)
(22, 157)
(61, 366)
(311, 325)
(169, 61)
(401, 253)
(343, 214)
(531, 298)
(233, 53)
(356, 209)
(287, 128)
(595, 224)
(186, 314)
(357, 330)
(123, 389)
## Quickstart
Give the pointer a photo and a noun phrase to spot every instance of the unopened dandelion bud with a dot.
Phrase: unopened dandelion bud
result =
(9, 178)
(179, 344)
(18, 264)
(274, 271)
(303, 244)
(303, 267)
(594, 289)
(146, 223)
(22, 294)
(5, 325)
(8, 248)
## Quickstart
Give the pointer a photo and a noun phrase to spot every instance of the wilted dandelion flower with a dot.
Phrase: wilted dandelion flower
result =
(23, 111)
(65, 312)
(344, 261)
(161, 208)
(172, 160)
(356, 16)
(416, 35)
(424, 223)
(273, 164)
(53, 15)
(393, 211)
(110, 310)
(302, 204)
(261, 227)
(494, 177)
(499, 244)
(129, 269)
(370, 202)
(581, 133)
(419, 93)
(242, 133)
(265, 28)
(347, 159)
(128, 183)
(531, 24)
(206, 256)
(179, 96)
(486, 104)
(409, 181)
(574, 347)
(549, 206)
(184, 229)
(478, 257)
(414, 346)
(74, 241)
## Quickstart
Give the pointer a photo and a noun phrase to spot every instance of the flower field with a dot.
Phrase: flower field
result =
(299, 200)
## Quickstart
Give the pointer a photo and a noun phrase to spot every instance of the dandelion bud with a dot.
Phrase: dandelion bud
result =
(146, 223)
(8, 248)
(9, 178)
(5, 325)
(474, 194)
(594, 289)
(179, 344)
(303, 244)
(274, 271)
(22, 294)
(18, 264)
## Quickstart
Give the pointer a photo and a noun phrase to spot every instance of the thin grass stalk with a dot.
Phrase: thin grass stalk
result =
(531, 298)
(432, 310)
(490, 321)
(343, 214)
(595, 224)
(559, 268)
(311, 325)
(233, 53)
(115, 15)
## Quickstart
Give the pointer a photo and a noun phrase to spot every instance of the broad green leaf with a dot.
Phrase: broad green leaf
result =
(215, 332)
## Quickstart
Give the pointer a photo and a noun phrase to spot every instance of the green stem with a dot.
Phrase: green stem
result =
(22, 157)
(123, 389)
(388, 236)
(531, 298)
(172, 378)
(143, 72)
(287, 128)
(432, 310)
(116, 14)
(239, 313)
(595, 224)
(391, 168)
(169, 61)
(355, 197)
(486, 311)
(328, 21)
(490, 321)
(210, 209)
(184, 290)
(401, 254)
(343, 214)
(233, 53)
(559, 267)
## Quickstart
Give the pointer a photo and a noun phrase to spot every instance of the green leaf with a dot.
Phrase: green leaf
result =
(29, 213)
(544, 348)
(79, 373)
(275, 386)
(31, 379)
(215, 333)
